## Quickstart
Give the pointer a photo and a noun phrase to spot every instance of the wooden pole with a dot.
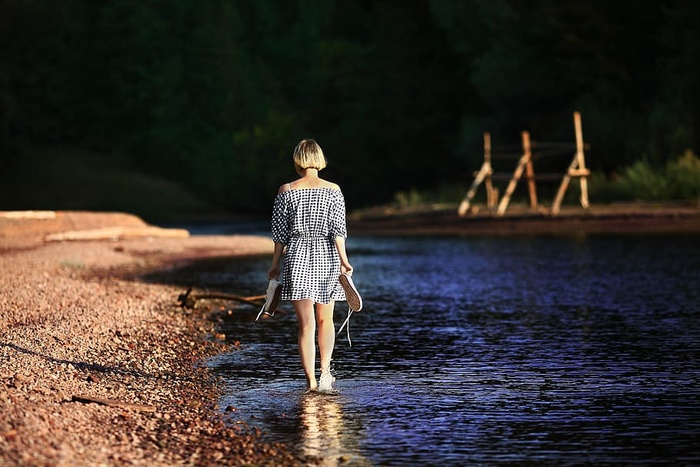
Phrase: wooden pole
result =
(556, 206)
(483, 173)
(494, 198)
(490, 195)
(529, 170)
(503, 205)
(577, 168)
(580, 159)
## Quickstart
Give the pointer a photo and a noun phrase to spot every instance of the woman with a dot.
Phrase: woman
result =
(308, 219)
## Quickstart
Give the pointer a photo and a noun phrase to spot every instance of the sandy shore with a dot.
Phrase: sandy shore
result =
(96, 369)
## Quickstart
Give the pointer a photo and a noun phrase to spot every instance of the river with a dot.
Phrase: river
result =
(532, 349)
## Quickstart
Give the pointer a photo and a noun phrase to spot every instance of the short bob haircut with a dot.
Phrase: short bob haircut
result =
(308, 155)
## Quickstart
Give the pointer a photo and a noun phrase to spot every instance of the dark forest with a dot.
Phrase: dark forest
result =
(212, 96)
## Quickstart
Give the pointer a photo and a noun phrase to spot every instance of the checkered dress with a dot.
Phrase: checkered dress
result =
(307, 221)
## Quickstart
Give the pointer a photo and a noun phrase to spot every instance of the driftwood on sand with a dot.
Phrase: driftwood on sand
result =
(188, 299)
(113, 403)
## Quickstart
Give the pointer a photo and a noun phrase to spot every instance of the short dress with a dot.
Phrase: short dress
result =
(307, 221)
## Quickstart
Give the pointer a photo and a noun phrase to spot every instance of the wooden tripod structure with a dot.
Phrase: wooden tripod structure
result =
(577, 169)
(484, 173)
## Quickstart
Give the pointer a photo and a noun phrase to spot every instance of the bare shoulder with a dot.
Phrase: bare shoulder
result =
(285, 187)
(331, 185)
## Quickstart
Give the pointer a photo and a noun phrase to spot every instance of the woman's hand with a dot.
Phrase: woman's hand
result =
(273, 272)
(345, 266)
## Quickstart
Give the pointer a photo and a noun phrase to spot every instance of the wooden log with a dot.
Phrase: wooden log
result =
(27, 214)
(484, 173)
(579, 173)
(529, 170)
(493, 200)
(113, 403)
(488, 183)
(115, 233)
(580, 159)
(503, 205)
(577, 168)
(464, 205)
(556, 205)
(187, 299)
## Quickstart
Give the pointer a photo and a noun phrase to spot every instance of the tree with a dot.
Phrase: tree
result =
(40, 73)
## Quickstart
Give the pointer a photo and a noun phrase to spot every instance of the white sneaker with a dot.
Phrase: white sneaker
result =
(351, 294)
(272, 298)
(325, 382)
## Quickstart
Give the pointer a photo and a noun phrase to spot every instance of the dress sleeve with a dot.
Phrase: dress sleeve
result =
(280, 220)
(338, 227)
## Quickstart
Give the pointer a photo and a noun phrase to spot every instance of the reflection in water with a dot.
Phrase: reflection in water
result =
(323, 434)
(488, 351)
(321, 421)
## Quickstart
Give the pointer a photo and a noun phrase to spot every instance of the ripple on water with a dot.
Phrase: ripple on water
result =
(543, 350)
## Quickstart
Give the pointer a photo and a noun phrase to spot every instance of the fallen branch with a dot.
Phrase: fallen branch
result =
(113, 403)
(188, 299)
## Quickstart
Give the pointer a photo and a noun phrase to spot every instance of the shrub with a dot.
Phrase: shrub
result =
(645, 183)
(678, 180)
(409, 199)
(684, 177)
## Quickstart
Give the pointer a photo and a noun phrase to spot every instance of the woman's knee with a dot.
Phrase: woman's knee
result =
(304, 310)
(307, 326)
(324, 311)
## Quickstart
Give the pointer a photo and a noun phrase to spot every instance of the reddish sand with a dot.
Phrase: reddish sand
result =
(74, 328)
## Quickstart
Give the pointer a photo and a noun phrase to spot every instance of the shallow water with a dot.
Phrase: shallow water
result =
(485, 350)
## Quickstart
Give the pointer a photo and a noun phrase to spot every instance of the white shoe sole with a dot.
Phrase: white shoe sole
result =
(272, 299)
(351, 294)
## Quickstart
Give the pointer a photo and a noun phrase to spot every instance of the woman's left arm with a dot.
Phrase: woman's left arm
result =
(274, 271)
(345, 266)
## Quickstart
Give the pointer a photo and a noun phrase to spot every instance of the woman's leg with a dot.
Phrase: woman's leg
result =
(307, 347)
(326, 333)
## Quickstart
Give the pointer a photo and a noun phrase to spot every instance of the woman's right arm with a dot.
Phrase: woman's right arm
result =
(338, 228)
(345, 266)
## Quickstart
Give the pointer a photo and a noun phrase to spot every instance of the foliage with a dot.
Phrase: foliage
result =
(444, 194)
(110, 186)
(684, 177)
(677, 180)
(213, 96)
(408, 199)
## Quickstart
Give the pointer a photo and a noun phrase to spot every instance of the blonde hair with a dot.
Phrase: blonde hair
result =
(308, 155)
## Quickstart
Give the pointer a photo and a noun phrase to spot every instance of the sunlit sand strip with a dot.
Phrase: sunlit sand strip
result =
(27, 214)
(115, 233)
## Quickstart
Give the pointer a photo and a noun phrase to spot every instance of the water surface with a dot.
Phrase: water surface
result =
(546, 350)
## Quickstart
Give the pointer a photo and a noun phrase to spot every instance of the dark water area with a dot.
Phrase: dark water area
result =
(535, 350)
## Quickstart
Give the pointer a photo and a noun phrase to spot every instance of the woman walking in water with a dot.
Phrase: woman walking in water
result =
(308, 219)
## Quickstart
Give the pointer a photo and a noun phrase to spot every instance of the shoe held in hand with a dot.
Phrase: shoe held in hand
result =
(272, 298)
(351, 294)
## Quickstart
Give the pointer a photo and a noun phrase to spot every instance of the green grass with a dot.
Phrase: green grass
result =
(678, 180)
(444, 194)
